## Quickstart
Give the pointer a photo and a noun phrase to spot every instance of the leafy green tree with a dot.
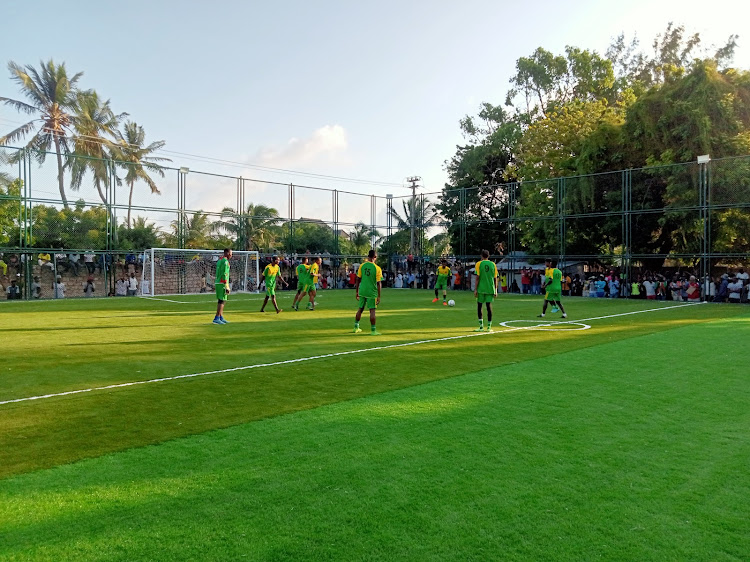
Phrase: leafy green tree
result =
(136, 158)
(77, 227)
(361, 238)
(10, 203)
(140, 236)
(197, 231)
(52, 99)
(256, 228)
(315, 237)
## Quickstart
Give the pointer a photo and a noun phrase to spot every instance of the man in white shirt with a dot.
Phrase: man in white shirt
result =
(121, 287)
(735, 290)
(650, 288)
(88, 259)
(132, 285)
(58, 288)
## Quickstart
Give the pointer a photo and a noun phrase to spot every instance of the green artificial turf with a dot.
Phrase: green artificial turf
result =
(627, 441)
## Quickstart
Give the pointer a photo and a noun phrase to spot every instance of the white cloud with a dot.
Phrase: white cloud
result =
(327, 143)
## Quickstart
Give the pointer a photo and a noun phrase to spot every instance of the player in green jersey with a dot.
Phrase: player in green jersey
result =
(367, 289)
(443, 274)
(312, 285)
(547, 276)
(271, 274)
(222, 286)
(302, 276)
(553, 287)
(486, 288)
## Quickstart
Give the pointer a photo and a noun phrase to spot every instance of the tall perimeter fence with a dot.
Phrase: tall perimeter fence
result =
(692, 217)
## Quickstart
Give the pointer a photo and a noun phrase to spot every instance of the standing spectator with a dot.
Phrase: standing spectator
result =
(693, 290)
(676, 287)
(352, 279)
(723, 290)
(576, 286)
(58, 288)
(614, 287)
(504, 283)
(132, 285)
(121, 287)
(88, 286)
(709, 288)
(566, 281)
(410, 262)
(329, 280)
(130, 261)
(36, 288)
(525, 281)
(13, 290)
(735, 290)
(412, 280)
(650, 287)
(399, 283)
(744, 277)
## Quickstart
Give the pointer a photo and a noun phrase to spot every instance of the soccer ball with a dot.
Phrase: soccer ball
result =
(451, 303)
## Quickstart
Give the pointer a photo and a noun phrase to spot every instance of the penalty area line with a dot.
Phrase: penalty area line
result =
(324, 356)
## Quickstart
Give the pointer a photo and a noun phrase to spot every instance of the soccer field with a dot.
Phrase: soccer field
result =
(136, 429)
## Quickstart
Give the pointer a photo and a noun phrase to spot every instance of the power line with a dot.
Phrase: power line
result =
(234, 163)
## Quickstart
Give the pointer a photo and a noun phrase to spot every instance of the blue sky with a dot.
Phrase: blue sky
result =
(367, 90)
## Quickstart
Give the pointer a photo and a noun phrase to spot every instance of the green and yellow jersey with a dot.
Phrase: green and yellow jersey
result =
(222, 272)
(443, 274)
(314, 273)
(554, 284)
(270, 273)
(487, 272)
(302, 274)
(370, 275)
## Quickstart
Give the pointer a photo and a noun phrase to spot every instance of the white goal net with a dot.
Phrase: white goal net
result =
(169, 271)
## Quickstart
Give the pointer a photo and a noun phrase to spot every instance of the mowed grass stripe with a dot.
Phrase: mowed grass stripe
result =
(62, 430)
(635, 449)
(497, 330)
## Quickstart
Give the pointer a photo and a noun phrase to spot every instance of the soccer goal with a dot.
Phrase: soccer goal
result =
(169, 271)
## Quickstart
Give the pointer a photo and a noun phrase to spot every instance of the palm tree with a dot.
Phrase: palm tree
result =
(255, 227)
(132, 155)
(361, 238)
(94, 122)
(52, 97)
(197, 230)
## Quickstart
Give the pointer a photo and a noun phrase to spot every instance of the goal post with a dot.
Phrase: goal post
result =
(182, 271)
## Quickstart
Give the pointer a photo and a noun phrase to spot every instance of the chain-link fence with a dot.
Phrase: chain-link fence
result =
(685, 219)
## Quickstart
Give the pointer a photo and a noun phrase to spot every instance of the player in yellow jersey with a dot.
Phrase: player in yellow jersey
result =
(312, 284)
(367, 289)
(271, 273)
(486, 288)
(443, 274)
(548, 270)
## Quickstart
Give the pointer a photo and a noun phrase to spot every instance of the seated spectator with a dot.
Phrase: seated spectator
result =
(36, 289)
(88, 287)
(88, 259)
(74, 263)
(45, 259)
(58, 288)
(735, 290)
(13, 290)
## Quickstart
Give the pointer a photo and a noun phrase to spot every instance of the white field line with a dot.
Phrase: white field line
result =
(338, 354)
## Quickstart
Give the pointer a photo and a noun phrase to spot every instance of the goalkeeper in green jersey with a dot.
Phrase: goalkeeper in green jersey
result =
(367, 289)
(271, 274)
(443, 274)
(222, 286)
(553, 287)
(486, 288)
(302, 281)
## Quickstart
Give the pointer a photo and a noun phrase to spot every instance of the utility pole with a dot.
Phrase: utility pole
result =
(413, 180)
